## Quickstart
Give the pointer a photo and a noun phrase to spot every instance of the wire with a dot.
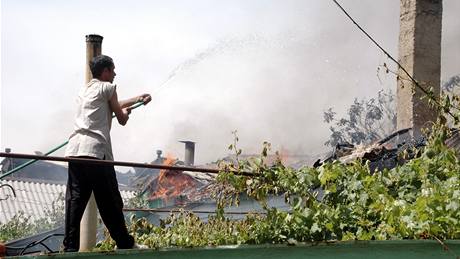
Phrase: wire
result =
(12, 189)
(38, 242)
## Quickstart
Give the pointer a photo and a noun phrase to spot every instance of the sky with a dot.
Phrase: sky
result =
(267, 69)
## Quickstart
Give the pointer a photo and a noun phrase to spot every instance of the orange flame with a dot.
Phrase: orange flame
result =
(171, 183)
(168, 161)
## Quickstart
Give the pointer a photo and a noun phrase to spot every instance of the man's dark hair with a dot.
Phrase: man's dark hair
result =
(98, 64)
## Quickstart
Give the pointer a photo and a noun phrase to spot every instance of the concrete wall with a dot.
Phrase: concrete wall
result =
(420, 55)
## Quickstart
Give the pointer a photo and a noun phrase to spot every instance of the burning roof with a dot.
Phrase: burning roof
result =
(175, 187)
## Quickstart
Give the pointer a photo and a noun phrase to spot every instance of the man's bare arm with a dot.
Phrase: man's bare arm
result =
(121, 113)
(145, 98)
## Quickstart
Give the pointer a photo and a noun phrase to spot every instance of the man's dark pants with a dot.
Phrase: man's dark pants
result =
(101, 180)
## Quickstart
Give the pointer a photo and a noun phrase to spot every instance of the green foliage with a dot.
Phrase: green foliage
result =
(138, 201)
(412, 201)
(336, 201)
(186, 229)
(417, 200)
(20, 225)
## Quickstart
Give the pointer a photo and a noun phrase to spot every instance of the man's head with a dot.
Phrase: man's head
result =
(102, 68)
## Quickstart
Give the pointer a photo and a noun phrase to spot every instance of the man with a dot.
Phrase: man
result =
(91, 139)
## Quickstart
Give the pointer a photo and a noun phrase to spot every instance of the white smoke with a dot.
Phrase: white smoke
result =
(266, 69)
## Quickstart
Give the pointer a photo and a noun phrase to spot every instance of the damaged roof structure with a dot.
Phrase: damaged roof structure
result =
(386, 153)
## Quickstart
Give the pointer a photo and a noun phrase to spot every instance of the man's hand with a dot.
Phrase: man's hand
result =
(145, 98)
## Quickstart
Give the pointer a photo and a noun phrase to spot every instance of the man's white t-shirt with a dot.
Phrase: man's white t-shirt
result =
(91, 136)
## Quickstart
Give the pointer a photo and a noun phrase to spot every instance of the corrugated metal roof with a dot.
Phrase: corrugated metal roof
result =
(33, 198)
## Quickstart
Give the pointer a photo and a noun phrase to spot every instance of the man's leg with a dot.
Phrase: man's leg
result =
(110, 206)
(77, 196)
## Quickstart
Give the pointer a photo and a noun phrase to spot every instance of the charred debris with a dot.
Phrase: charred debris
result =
(387, 153)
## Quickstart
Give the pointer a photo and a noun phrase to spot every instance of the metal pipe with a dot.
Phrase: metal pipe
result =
(119, 163)
(195, 211)
(189, 155)
(93, 49)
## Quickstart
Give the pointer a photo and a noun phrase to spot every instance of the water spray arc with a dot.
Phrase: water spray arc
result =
(187, 64)
(217, 48)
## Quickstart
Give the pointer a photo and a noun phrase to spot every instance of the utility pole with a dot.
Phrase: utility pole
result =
(420, 55)
(88, 224)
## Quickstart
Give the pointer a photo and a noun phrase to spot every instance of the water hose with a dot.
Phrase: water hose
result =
(54, 149)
